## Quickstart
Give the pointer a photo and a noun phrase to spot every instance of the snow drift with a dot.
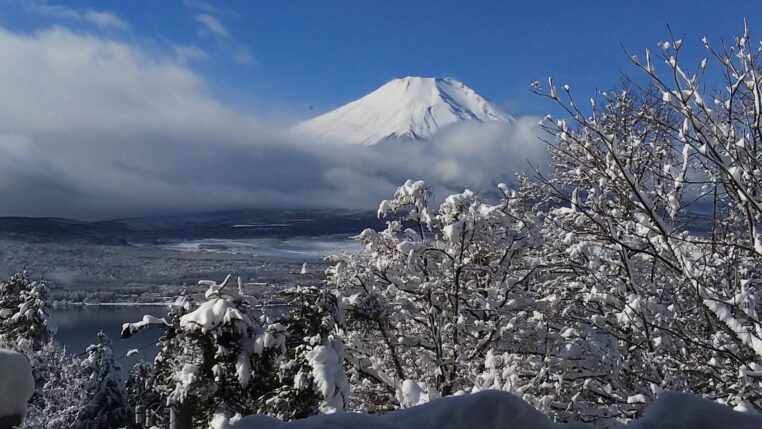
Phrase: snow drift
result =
(16, 383)
(411, 108)
(501, 410)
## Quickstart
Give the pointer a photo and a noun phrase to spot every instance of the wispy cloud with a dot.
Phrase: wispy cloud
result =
(208, 8)
(211, 24)
(243, 56)
(102, 19)
(186, 53)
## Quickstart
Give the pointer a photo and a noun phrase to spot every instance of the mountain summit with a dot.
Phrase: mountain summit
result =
(410, 108)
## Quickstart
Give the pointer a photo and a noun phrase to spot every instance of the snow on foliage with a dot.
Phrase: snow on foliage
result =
(105, 400)
(327, 363)
(16, 383)
(129, 329)
(23, 312)
(432, 293)
(226, 356)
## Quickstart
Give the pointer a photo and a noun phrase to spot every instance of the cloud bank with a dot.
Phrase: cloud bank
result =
(92, 128)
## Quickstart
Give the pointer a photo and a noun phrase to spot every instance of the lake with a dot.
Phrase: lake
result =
(77, 328)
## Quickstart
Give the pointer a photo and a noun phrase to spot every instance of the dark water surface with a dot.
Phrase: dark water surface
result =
(77, 328)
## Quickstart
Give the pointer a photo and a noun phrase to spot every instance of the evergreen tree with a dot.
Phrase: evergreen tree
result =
(311, 321)
(23, 313)
(217, 358)
(104, 399)
(142, 396)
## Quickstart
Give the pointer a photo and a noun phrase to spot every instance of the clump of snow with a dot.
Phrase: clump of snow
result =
(214, 313)
(492, 409)
(331, 380)
(412, 393)
(16, 383)
(129, 329)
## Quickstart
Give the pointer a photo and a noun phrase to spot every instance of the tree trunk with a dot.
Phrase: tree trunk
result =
(180, 416)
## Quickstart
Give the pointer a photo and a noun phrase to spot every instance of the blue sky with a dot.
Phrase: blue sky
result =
(292, 59)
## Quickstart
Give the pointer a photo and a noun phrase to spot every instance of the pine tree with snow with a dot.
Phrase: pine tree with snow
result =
(24, 328)
(311, 373)
(142, 396)
(23, 312)
(104, 400)
(216, 358)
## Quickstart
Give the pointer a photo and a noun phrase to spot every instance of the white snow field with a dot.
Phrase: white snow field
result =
(16, 383)
(501, 410)
(410, 108)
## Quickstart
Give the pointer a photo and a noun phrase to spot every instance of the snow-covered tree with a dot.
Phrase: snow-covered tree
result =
(104, 400)
(143, 397)
(58, 389)
(218, 358)
(23, 312)
(433, 292)
(652, 227)
(24, 328)
(311, 373)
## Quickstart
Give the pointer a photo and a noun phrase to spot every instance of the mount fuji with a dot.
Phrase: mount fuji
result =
(410, 108)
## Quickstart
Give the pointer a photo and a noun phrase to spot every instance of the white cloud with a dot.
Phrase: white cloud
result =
(186, 53)
(102, 19)
(93, 128)
(243, 56)
(212, 24)
(209, 8)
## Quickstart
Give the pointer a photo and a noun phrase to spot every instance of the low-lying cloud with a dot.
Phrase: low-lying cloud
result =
(92, 128)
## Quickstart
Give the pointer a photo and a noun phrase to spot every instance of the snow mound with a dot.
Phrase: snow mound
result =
(410, 108)
(500, 410)
(484, 410)
(16, 383)
(673, 410)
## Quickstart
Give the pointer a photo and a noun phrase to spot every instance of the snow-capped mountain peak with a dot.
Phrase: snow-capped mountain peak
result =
(410, 108)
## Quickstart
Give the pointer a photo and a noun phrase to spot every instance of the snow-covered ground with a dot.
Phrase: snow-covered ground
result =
(16, 383)
(500, 410)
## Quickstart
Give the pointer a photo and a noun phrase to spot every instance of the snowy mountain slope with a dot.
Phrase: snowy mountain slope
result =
(410, 108)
